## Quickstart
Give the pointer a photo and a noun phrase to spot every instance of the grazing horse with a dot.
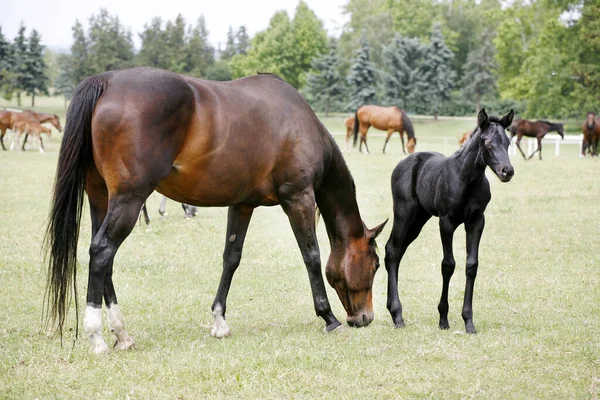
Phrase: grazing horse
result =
(39, 117)
(7, 121)
(591, 135)
(189, 211)
(537, 129)
(349, 122)
(390, 119)
(29, 128)
(245, 143)
(454, 189)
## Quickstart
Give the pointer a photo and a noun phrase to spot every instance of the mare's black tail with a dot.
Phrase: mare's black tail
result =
(408, 126)
(355, 131)
(65, 215)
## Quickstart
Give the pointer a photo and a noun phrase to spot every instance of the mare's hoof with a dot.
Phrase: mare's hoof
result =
(101, 348)
(333, 326)
(399, 324)
(125, 345)
(220, 332)
(444, 325)
(471, 329)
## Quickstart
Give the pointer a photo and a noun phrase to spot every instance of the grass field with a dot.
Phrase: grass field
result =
(536, 302)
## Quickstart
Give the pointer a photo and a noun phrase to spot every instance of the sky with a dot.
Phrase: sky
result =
(53, 19)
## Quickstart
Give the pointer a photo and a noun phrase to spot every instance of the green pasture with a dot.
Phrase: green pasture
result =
(536, 302)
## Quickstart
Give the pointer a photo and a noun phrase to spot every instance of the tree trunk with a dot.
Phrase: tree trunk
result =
(327, 108)
(19, 99)
(477, 104)
(33, 100)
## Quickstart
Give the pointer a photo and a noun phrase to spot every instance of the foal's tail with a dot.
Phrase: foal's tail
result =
(65, 215)
(355, 131)
(407, 125)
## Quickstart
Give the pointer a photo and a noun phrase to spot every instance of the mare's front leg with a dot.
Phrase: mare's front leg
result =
(387, 139)
(447, 228)
(300, 210)
(474, 228)
(402, 140)
(238, 219)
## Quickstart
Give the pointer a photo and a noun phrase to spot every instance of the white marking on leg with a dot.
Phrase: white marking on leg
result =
(221, 329)
(92, 325)
(116, 325)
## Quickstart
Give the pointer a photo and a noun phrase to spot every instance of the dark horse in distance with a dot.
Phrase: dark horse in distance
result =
(390, 119)
(454, 189)
(537, 129)
(591, 135)
(242, 144)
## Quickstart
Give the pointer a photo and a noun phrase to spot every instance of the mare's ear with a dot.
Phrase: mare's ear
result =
(482, 119)
(507, 119)
(373, 233)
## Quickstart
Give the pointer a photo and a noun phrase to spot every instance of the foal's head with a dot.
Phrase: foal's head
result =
(494, 143)
(350, 271)
(56, 122)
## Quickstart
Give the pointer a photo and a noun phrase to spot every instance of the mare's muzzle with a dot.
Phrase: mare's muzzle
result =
(505, 172)
(360, 320)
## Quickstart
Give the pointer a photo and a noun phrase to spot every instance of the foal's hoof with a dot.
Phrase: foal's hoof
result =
(333, 326)
(124, 345)
(220, 331)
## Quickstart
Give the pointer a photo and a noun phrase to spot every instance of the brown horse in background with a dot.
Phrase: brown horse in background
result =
(390, 119)
(349, 123)
(537, 129)
(245, 143)
(464, 137)
(29, 128)
(8, 119)
(591, 135)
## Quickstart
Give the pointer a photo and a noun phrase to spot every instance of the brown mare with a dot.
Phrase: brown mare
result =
(591, 135)
(390, 119)
(537, 129)
(349, 122)
(242, 144)
(6, 122)
(29, 128)
(464, 137)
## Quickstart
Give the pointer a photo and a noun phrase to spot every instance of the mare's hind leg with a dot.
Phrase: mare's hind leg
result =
(162, 209)
(113, 218)
(363, 139)
(447, 228)
(402, 140)
(408, 222)
(539, 149)
(474, 228)
(238, 219)
(301, 213)
(518, 143)
(387, 139)
(2, 133)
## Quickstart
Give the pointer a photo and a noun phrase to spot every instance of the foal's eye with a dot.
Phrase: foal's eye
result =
(488, 144)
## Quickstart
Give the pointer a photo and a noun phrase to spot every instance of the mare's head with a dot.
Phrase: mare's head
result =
(589, 120)
(494, 143)
(560, 129)
(56, 122)
(350, 271)
(410, 145)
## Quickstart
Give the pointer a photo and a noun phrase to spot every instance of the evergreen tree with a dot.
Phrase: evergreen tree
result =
(7, 66)
(110, 44)
(480, 71)
(200, 55)
(361, 79)
(22, 77)
(81, 63)
(242, 40)
(154, 49)
(36, 68)
(435, 78)
(65, 84)
(401, 59)
(324, 84)
(230, 46)
(175, 38)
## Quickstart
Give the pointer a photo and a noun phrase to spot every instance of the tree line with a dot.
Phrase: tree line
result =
(541, 57)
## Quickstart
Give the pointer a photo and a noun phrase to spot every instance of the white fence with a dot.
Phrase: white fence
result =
(548, 139)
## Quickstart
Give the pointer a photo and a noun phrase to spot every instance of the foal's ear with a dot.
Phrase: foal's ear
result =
(507, 119)
(373, 233)
(482, 119)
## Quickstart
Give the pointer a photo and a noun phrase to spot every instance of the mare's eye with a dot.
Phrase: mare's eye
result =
(488, 144)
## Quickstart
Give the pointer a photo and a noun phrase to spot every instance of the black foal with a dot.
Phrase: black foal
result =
(454, 189)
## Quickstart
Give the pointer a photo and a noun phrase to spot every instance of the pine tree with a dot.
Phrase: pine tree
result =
(36, 67)
(22, 78)
(110, 44)
(80, 60)
(154, 49)
(401, 58)
(362, 78)
(435, 76)
(7, 66)
(65, 84)
(175, 38)
(198, 51)
(242, 40)
(480, 71)
(230, 46)
(324, 84)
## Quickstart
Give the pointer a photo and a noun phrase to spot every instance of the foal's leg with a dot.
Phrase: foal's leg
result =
(238, 219)
(539, 148)
(119, 219)
(474, 229)
(162, 209)
(518, 143)
(2, 133)
(301, 213)
(24, 141)
(406, 228)
(364, 139)
(447, 228)
(41, 144)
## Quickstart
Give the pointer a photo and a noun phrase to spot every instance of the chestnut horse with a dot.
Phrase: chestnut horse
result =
(29, 128)
(9, 118)
(349, 123)
(245, 143)
(591, 134)
(464, 137)
(390, 119)
(537, 129)
(456, 190)
(7, 122)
